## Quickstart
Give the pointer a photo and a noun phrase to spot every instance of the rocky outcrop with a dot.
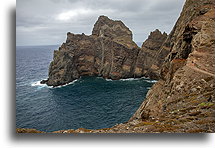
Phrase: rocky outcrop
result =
(149, 60)
(114, 30)
(155, 40)
(183, 100)
(109, 52)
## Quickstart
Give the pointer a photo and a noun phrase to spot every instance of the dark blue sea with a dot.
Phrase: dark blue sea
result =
(90, 102)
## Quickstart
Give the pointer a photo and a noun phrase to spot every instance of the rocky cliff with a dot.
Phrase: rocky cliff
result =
(183, 100)
(149, 59)
(109, 52)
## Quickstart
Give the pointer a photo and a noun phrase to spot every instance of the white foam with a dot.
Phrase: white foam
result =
(37, 83)
(151, 81)
(130, 79)
(108, 79)
(66, 84)
(133, 79)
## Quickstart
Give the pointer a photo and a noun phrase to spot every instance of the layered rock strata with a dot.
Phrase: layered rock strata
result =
(149, 59)
(184, 99)
(109, 52)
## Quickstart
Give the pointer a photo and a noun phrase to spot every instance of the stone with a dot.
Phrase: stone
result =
(149, 59)
(155, 40)
(191, 39)
(109, 52)
(43, 81)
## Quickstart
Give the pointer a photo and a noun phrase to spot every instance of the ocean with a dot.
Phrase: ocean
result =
(90, 102)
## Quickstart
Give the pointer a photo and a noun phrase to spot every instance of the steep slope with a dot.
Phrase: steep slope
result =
(183, 100)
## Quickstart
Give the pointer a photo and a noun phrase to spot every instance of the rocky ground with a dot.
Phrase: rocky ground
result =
(183, 100)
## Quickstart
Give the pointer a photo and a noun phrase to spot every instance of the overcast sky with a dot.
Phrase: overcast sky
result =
(46, 22)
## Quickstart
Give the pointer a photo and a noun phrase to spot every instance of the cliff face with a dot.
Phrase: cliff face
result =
(149, 61)
(109, 52)
(155, 40)
(183, 100)
(114, 30)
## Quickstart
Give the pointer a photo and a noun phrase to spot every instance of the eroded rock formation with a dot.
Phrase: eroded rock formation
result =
(183, 100)
(109, 52)
(149, 59)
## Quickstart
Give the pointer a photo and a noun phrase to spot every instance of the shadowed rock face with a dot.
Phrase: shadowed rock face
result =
(155, 40)
(149, 60)
(183, 100)
(109, 52)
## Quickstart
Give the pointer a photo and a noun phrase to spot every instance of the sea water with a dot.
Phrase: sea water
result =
(89, 102)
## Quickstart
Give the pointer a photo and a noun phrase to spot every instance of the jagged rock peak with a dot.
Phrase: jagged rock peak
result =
(105, 27)
(157, 34)
(109, 52)
(155, 40)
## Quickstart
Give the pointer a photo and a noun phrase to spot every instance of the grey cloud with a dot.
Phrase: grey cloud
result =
(37, 20)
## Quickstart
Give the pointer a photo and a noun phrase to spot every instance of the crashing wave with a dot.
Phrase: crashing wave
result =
(66, 84)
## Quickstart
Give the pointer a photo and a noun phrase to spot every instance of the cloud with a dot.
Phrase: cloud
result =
(47, 22)
(76, 13)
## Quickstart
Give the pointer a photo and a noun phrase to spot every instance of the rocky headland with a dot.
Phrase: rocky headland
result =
(109, 52)
(182, 101)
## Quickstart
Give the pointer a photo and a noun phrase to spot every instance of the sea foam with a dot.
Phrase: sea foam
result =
(66, 84)
(151, 81)
(37, 83)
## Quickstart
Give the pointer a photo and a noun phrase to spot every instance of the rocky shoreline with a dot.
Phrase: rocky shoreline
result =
(182, 101)
(109, 52)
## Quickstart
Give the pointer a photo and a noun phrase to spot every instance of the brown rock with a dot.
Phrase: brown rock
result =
(149, 60)
(192, 47)
(109, 52)
(170, 106)
(155, 40)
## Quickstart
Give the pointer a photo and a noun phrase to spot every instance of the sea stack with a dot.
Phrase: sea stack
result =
(182, 101)
(109, 52)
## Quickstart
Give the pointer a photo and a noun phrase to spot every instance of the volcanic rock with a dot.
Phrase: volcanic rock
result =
(149, 61)
(109, 52)
(192, 48)
(170, 105)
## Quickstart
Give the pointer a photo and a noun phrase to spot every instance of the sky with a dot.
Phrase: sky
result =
(46, 22)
